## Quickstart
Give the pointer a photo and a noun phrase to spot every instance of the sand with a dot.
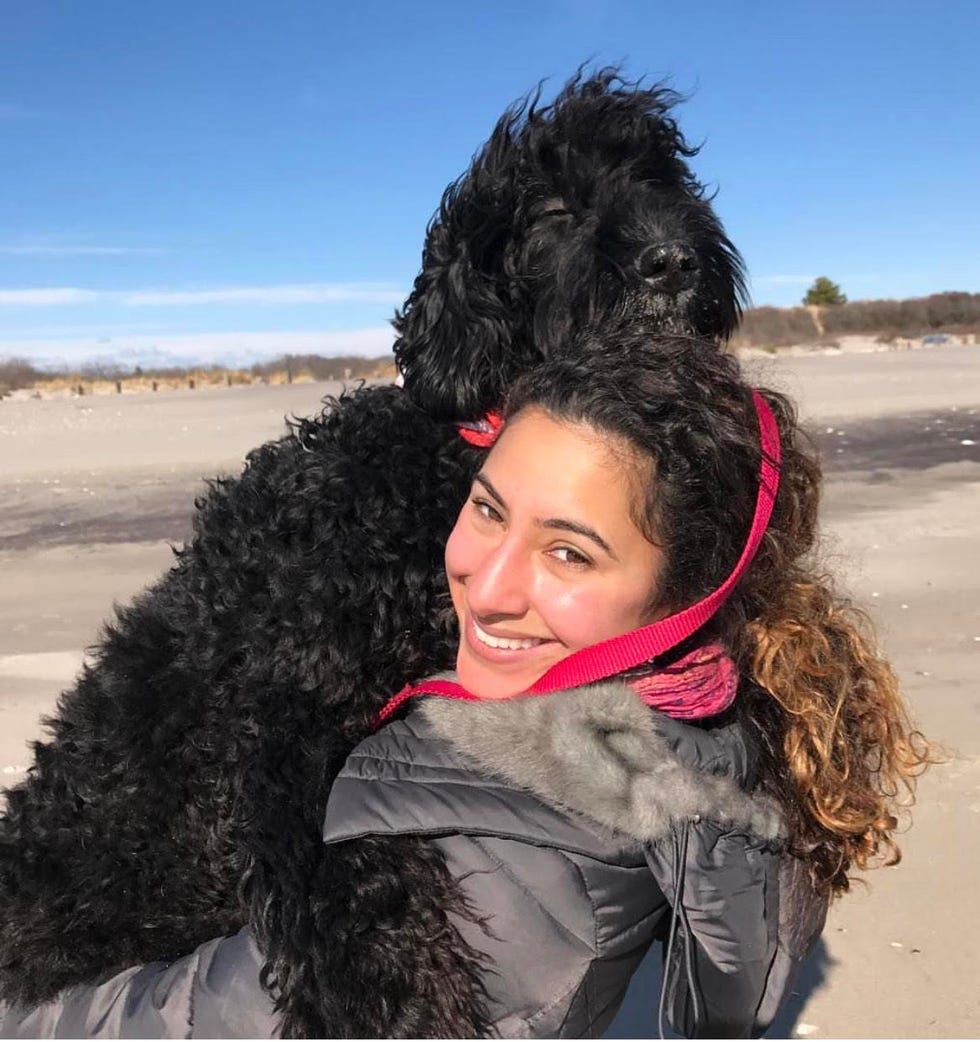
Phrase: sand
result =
(94, 488)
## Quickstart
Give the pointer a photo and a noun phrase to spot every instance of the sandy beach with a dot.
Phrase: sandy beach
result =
(95, 489)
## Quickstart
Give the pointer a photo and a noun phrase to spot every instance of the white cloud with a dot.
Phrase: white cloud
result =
(79, 330)
(48, 296)
(307, 293)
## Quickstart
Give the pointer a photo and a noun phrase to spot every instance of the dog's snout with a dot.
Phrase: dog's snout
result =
(669, 267)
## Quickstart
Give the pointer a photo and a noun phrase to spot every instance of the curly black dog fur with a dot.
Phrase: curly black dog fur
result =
(569, 216)
(182, 790)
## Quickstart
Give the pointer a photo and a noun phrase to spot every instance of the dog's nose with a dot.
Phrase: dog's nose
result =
(669, 267)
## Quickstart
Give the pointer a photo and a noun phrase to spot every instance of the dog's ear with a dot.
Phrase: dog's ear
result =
(459, 335)
(453, 331)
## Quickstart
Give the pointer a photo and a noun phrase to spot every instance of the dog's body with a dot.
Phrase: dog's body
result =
(183, 788)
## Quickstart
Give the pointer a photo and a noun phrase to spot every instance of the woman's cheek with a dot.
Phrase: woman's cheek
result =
(575, 616)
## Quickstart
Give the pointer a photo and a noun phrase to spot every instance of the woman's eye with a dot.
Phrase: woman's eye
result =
(487, 510)
(569, 555)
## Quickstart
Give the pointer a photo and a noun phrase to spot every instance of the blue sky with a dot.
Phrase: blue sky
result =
(227, 177)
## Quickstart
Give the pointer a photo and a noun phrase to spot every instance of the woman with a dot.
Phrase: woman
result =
(740, 756)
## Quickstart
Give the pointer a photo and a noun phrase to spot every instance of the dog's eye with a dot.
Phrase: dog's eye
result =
(552, 207)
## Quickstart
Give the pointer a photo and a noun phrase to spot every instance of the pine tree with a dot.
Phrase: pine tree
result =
(824, 293)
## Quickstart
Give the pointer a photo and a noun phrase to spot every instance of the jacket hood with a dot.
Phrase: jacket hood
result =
(601, 752)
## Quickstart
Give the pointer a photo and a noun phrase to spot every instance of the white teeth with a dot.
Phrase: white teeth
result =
(503, 642)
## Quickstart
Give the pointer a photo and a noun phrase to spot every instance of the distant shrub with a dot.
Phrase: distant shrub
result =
(104, 371)
(105, 378)
(915, 317)
(776, 327)
(15, 374)
(340, 367)
(886, 320)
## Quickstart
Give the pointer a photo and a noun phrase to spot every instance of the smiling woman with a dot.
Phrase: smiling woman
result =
(545, 558)
(712, 793)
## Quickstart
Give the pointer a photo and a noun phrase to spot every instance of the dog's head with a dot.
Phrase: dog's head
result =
(571, 214)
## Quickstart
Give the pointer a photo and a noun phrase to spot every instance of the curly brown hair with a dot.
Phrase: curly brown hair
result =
(836, 743)
(852, 753)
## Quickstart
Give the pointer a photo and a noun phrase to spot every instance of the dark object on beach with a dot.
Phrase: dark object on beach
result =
(182, 792)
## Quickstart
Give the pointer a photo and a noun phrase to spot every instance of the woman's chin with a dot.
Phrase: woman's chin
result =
(488, 683)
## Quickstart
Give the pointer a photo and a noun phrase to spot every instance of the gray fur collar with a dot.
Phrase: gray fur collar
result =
(601, 752)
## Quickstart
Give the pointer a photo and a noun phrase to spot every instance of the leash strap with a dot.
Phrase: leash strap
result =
(445, 688)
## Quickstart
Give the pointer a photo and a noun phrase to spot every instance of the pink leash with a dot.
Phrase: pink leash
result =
(632, 649)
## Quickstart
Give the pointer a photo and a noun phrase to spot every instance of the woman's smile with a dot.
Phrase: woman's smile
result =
(483, 653)
(504, 643)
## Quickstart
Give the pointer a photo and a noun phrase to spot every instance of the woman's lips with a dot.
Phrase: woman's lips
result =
(495, 648)
(509, 643)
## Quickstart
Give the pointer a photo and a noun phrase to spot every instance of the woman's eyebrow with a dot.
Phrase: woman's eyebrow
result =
(565, 525)
(561, 523)
(485, 482)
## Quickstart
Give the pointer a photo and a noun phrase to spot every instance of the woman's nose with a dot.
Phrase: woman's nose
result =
(501, 584)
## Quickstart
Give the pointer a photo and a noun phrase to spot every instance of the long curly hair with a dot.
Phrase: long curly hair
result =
(836, 744)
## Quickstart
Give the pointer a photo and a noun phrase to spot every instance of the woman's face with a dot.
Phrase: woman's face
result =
(545, 558)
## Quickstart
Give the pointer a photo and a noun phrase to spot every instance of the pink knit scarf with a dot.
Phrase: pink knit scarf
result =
(700, 684)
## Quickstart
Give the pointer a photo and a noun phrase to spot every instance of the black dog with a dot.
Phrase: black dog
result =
(182, 791)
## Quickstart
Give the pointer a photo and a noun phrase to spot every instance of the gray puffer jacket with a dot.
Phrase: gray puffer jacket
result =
(581, 826)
